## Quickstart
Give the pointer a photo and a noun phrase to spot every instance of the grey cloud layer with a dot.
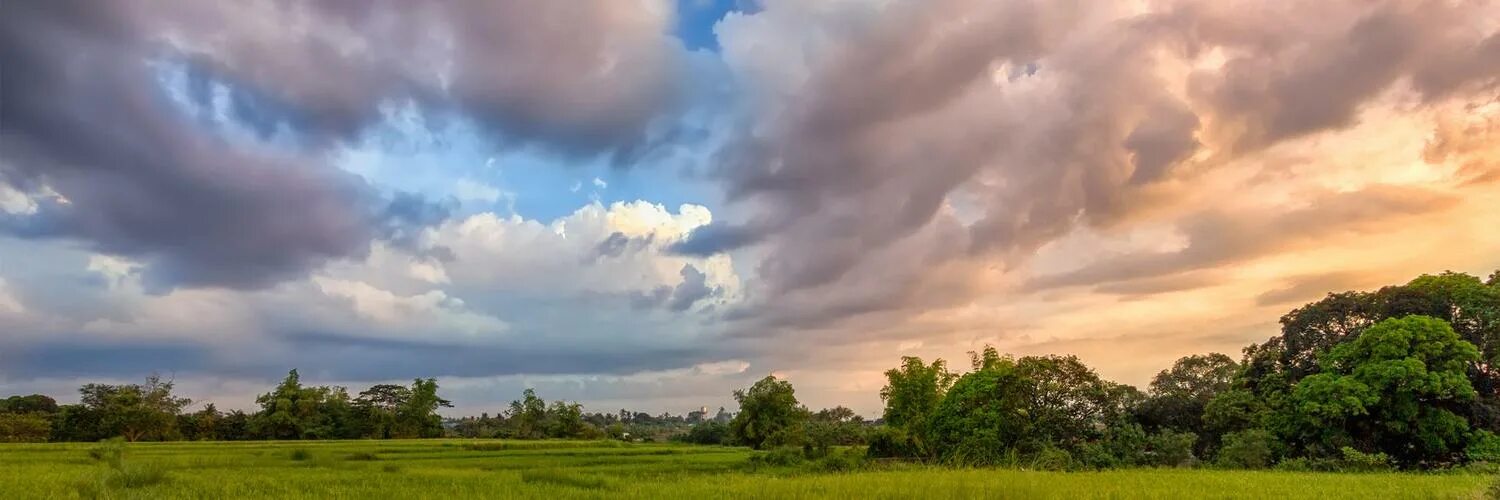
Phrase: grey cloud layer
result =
(85, 115)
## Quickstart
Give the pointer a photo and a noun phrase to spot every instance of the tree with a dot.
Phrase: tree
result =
(912, 391)
(769, 415)
(982, 416)
(35, 403)
(1179, 396)
(528, 416)
(29, 427)
(379, 405)
(1067, 402)
(565, 420)
(292, 411)
(417, 415)
(1029, 406)
(136, 411)
(1399, 388)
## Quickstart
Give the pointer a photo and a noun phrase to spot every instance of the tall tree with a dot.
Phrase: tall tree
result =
(912, 391)
(1399, 388)
(769, 414)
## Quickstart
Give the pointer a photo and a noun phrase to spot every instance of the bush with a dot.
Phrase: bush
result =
(1247, 449)
(1484, 446)
(301, 454)
(1172, 449)
(1052, 459)
(891, 442)
(24, 428)
(1358, 461)
(706, 433)
(845, 461)
(779, 457)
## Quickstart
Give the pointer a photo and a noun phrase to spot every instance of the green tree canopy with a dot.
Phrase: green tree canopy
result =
(769, 414)
(1398, 388)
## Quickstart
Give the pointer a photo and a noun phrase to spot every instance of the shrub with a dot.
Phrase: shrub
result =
(1358, 461)
(1172, 449)
(1484, 446)
(891, 442)
(1052, 459)
(779, 457)
(710, 432)
(1247, 449)
(845, 461)
(301, 454)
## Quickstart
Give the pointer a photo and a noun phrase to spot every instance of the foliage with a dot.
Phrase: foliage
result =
(894, 442)
(1247, 449)
(769, 415)
(709, 432)
(1180, 396)
(1395, 389)
(24, 427)
(912, 391)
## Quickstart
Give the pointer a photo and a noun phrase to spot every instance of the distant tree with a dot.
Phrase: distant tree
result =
(27, 419)
(769, 415)
(202, 425)
(234, 426)
(31, 427)
(294, 411)
(417, 415)
(565, 420)
(35, 403)
(378, 406)
(136, 411)
(723, 416)
(528, 416)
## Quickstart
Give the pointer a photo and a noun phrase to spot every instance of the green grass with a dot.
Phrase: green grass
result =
(559, 469)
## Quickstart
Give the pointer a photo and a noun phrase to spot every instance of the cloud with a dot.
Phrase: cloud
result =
(902, 135)
(147, 179)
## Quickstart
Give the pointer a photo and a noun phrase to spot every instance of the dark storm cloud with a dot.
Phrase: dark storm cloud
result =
(693, 289)
(83, 113)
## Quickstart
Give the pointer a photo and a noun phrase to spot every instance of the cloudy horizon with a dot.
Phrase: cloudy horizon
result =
(647, 204)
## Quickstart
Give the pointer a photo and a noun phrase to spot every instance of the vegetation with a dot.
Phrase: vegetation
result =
(447, 468)
(1403, 378)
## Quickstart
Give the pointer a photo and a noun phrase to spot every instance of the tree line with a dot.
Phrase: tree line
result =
(150, 412)
(1405, 376)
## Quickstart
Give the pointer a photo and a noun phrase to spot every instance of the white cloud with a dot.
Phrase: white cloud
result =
(424, 315)
(599, 183)
(15, 202)
(563, 257)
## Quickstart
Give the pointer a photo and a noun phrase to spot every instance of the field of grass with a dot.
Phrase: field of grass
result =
(564, 469)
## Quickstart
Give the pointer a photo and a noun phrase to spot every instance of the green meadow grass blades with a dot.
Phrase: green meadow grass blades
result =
(600, 469)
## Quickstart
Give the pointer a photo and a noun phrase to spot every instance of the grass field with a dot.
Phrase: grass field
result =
(564, 469)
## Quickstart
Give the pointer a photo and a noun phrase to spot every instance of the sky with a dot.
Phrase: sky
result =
(647, 204)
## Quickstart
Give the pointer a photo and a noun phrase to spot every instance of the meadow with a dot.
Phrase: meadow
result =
(609, 469)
